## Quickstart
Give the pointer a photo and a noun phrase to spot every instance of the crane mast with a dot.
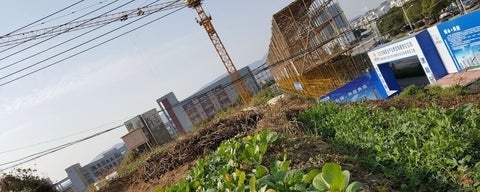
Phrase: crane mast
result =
(206, 21)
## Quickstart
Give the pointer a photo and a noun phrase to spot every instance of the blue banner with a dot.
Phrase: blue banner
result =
(365, 87)
(462, 39)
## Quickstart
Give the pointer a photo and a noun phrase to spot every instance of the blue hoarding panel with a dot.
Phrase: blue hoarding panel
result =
(462, 39)
(431, 55)
(365, 87)
(389, 77)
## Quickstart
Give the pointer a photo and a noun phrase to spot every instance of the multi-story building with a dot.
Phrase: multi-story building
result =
(206, 102)
(152, 127)
(82, 176)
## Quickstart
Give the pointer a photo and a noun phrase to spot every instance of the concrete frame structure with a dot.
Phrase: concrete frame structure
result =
(206, 102)
(82, 176)
(152, 126)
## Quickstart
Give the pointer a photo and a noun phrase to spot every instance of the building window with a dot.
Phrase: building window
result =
(207, 105)
(192, 112)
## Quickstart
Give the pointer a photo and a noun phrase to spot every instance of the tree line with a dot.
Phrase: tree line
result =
(420, 12)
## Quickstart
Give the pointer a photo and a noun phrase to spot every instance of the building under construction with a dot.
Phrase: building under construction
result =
(309, 51)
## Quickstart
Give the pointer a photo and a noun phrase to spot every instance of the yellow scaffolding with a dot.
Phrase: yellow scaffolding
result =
(309, 48)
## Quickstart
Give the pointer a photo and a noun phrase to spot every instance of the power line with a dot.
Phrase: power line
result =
(71, 13)
(49, 31)
(85, 50)
(261, 68)
(52, 150)
(56, 12)
(57, 28)
(64, 42)
(31, 157)
(37, 155)
(59, 138)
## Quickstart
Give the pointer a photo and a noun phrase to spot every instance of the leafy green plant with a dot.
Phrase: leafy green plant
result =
(280, 178)
(263, 96)
(413, 146)
(332, 178)
(237, 166)
(226, 169)
(431, 92)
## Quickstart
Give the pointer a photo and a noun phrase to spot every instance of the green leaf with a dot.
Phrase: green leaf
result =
(320, 184)
(308, 178)
(253, 183)
(260, 171)
(271, 137)
(263, 189)
(241, 177)
(353, 187)
(346, 176)
(279, 177)
(293, 177)
(332, 174)
(284, 165)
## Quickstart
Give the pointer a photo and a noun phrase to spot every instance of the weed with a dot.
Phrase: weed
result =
(414, 145)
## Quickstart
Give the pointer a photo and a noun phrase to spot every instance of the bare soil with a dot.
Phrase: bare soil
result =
(305, 151)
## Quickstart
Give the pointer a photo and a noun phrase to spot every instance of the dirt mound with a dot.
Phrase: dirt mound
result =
(198, 144)
(446, 102)
(186, 150)
(282, 117)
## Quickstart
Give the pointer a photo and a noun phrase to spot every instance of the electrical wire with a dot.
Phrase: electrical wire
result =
(16, 39)
(32, 157)
(62, 16)
(59, 27)
(85, 50)
(56, 12)
(59, 138)
(52, 47)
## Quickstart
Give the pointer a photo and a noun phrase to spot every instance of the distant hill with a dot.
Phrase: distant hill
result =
(99, 156)
(256, 64)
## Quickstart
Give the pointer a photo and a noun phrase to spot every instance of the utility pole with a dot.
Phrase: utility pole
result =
(406, 16)
(461, 7)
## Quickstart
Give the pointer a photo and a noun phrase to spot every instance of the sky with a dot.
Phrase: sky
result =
(106, 86)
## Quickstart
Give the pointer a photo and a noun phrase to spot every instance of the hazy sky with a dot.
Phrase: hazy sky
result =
(105, 86)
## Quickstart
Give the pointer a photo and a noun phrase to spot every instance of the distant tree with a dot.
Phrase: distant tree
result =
(392, 22)
(25, 180)
(433, 8)
(414, 10)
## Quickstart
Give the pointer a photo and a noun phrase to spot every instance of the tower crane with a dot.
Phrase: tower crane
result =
(204, 20)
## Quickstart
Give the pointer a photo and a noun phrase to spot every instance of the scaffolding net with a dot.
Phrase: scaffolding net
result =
(309, 52)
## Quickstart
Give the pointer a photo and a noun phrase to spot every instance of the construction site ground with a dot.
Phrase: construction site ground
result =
(173, 164)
